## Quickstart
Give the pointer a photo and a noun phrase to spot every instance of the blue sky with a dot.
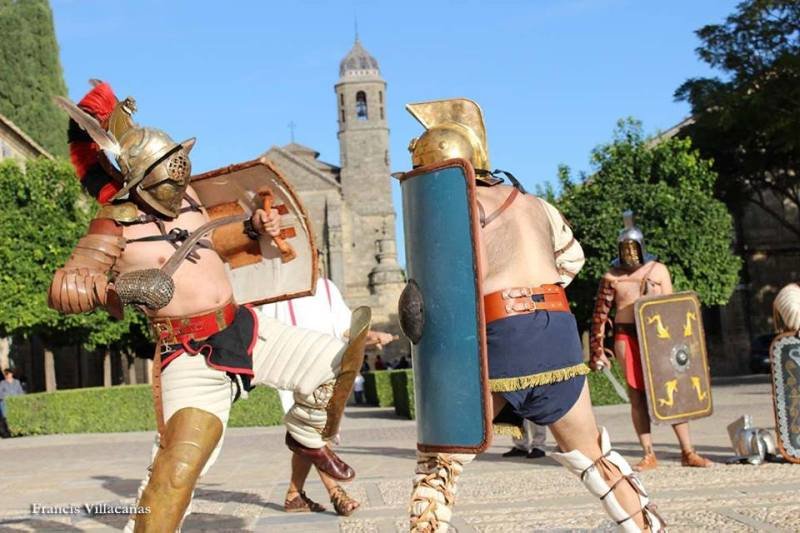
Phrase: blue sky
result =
(552, 76)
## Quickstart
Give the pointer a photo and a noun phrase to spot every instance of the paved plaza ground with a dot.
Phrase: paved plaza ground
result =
(245, 489)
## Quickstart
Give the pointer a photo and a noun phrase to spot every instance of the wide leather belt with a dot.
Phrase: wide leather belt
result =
(198, 327)
(524, 300)
(627, 329)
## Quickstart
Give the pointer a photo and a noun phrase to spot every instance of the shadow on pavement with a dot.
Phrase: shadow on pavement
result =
(36, 525)
(372, 412)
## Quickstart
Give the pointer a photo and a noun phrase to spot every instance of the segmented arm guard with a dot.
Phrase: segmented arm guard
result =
(82, 283)
(603, 303)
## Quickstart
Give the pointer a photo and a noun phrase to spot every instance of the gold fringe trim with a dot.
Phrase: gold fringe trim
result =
(508, 429)
(535, 380)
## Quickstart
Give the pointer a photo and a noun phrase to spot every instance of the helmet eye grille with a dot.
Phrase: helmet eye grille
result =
(178, 166)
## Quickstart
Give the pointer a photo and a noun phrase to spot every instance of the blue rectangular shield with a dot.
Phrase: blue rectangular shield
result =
(441, 308)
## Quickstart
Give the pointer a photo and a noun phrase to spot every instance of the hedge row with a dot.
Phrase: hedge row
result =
(130, 407)
(378, 387)
(118, 409)
(386, 388)
(403, 391)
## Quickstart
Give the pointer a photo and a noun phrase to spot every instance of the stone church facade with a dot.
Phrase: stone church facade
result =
(350, 205)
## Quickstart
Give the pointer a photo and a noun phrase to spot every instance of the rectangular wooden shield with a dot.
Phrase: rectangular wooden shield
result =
(441, 309)
(256, 269)
(673, 350)
(785, 359)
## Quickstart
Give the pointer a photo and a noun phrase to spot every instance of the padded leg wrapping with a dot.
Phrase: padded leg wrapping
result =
(295, 359)
(586, 469)
(434, 491)
(307, 417)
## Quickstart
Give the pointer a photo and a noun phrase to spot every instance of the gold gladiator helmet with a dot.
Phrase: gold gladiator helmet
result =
(454, 128)
(154, 168)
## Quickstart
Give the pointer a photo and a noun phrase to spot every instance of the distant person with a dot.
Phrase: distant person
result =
(531, 443)
(325, 311)
(8, 387)
(402, 363)
(358, 389)
(365, 367)
(379, 364)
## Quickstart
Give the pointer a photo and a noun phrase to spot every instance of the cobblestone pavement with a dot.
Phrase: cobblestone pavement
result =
(245, 489)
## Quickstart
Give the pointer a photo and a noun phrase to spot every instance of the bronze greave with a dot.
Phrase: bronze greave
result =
(189, 438)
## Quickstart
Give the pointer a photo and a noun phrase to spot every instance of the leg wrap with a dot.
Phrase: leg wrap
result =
(307, 417)
(295, 359)
(433, 495)
(591, 476)
(191, 435)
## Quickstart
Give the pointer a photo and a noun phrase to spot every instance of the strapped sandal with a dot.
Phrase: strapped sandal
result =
(302, 504)
(648, 462)
(696, 460)
(343, 504)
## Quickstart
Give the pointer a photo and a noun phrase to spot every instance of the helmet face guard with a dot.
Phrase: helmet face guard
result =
(630, 254)
(157, 169)
(630, 245)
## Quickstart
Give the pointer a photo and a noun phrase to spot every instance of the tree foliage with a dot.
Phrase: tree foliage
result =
(749, 123)
(31, 72)
(42, 215)
(670, 188)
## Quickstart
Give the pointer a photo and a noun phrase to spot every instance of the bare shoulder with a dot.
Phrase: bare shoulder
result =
(660, 271)
(192, 193)
(610, 276)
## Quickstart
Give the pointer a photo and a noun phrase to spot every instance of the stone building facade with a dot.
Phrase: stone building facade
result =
(15, 143)
(350, 205)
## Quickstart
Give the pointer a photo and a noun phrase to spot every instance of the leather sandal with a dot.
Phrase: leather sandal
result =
(648, 462)
(302, 504)
(696, 460)
(343, 504)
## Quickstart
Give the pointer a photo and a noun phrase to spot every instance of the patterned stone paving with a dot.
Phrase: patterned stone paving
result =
(244, 491)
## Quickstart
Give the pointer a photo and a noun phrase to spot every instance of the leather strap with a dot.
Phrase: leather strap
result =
(626, 328)
(183, 250)
(157, 399)
(520, 301)
(509, 199)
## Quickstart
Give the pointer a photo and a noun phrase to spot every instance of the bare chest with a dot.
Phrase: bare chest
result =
(141, 253)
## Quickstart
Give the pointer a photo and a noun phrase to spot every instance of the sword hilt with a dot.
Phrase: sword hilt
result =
(286, 250)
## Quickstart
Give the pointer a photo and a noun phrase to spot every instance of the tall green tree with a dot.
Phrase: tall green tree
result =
(749, 122)
(42, 215)
(671, 190)
(31, 72)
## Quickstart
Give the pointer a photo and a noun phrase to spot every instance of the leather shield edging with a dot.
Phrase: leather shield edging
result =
(301, 208)
(469, 174)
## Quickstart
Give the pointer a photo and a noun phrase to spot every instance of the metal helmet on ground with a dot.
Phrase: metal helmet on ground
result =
(454, 128)
(631, 239)
(749, 442)
(154, 168)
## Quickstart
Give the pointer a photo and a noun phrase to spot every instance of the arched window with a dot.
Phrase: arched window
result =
(361, 105)
(380, 97)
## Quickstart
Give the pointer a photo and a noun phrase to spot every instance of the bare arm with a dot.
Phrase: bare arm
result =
(567, 250)
(665, 279)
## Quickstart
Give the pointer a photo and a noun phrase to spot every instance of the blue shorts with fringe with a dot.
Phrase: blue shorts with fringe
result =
(536, 363)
